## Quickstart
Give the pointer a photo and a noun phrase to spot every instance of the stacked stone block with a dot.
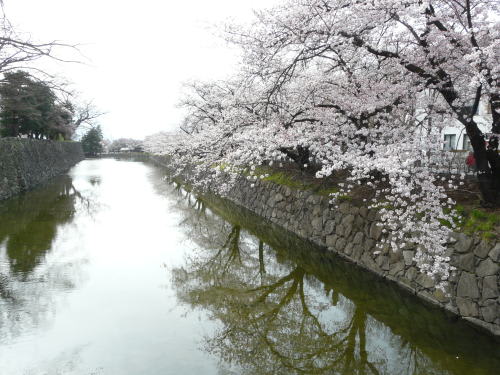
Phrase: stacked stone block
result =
(26, 163)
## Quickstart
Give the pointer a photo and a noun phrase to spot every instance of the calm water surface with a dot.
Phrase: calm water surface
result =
(113, 270)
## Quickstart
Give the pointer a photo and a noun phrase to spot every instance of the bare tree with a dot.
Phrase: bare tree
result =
(19, 51)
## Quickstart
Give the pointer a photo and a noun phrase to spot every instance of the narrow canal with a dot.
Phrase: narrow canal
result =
(111, 269)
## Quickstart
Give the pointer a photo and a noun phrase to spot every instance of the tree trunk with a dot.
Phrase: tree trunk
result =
(487, 163)
(300, 156)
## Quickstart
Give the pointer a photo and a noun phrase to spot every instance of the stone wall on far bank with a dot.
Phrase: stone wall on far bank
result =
(352, 232)
(26, 163)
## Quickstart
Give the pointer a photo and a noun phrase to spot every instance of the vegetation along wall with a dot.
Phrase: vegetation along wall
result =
(352, 232)
(26, 163)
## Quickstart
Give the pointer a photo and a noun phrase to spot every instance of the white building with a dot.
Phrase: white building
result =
(455, 136)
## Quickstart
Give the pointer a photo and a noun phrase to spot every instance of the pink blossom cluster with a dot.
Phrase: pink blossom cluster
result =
(358, 86)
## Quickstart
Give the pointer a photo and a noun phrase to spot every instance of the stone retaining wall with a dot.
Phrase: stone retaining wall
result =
(26, 163)
(352, 232)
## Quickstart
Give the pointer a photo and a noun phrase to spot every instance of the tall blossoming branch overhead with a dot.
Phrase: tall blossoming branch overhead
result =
(365, 87)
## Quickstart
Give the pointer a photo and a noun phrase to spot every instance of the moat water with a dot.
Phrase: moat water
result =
(112, 269)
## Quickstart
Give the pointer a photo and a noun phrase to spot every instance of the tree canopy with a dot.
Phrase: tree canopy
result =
(92, 141)
(29, 107)
(33, 102)
(365, 87)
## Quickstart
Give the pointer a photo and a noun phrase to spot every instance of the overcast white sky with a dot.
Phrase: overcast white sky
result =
(139, 52)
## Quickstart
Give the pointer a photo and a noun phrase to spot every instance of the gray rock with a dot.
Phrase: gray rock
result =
(316, 210)
(329, 227)
(363, 211)
(408, 257)
(467, 307)
(369, 244)
(490, 287)
(345, 208)
(425, 281)
(358, 238)
(356, 252)
(359, 222)
(367, 260)
(372, 214)
(486, 268)
(330, 240)
(449, 251)
(490, 312)
(396, 268)
(317, 224)
(375, 231)
(467, 286)
(466, 262)
(411, 273)
(347, 220)
(441, 296)
(482, 249)
(340, 245)
(348, 231)
(395, 256)
(312, 199)
(348, 248)
(326, 214)
(339, 230)
(383, 262)
(386, 248)
(495, 253)
(464, 243)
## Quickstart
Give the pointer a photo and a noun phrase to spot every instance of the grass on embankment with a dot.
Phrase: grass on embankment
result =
(472, 219)
(480, 221)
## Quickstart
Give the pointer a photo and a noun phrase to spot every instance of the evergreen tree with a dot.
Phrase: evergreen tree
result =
(29, 108)
(92, 141)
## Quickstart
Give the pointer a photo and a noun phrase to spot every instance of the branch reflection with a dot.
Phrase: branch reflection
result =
(286, 307)
(30, 224)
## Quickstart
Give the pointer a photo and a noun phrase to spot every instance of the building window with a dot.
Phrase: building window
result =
(466, 143)
(449, 141)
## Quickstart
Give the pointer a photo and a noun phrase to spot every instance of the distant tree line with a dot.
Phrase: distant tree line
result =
(128, 144)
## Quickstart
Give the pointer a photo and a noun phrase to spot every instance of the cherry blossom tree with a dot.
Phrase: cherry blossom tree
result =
(365, 87)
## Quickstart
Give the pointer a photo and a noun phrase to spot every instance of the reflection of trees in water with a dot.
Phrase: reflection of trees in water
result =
(279, 318)
(30, 223)
(271, 323)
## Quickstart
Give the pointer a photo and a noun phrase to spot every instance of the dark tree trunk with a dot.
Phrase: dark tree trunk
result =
(300, 155)
(495, 113)
(487, 163)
